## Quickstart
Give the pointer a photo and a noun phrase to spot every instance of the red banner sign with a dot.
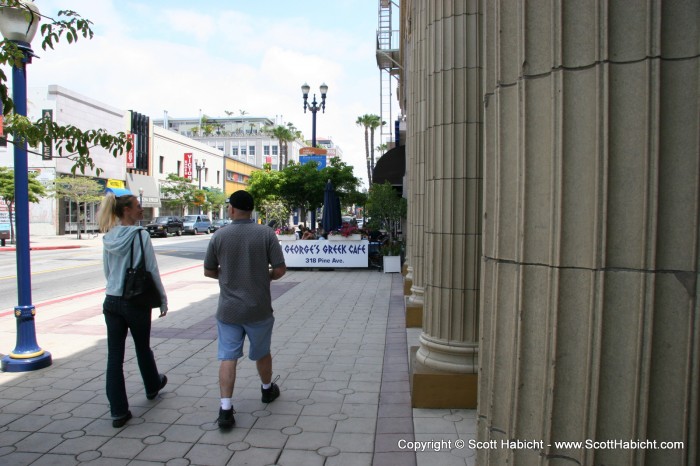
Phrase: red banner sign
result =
(130, 154)
(188, 165)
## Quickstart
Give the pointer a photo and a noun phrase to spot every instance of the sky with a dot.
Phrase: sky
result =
(213, 56)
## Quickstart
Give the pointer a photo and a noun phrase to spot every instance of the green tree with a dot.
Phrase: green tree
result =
(342, 177)
(79, 189)
(284, 135)
(370, 123)
(274, 209)
(303, 187)
(7, 193)
(265, 185)
(70, 142)
(385, 207)
(178, 192)
(216, 199)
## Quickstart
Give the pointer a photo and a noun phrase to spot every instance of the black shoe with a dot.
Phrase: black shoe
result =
(271, 394)
(226, 420)
(117, 423)
(163, 383)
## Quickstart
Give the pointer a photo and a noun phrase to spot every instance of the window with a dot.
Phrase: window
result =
(229, 175)
(206, 175)
(251, 150)
(274, 150)
(243, 151)
(179, 166)
(161, 164)
(218, 177)
(266, 150)
(234, 151)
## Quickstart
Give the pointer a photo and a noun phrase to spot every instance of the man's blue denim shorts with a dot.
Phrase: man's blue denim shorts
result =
(232, 336)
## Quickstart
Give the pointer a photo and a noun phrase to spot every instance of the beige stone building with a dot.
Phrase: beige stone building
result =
(553, 171)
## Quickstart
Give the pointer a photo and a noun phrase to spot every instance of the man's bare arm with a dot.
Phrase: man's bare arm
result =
(278, 272)
(211, 273)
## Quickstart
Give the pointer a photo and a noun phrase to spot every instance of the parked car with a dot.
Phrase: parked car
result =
(216, 224)
(162, 226)
(196, 224)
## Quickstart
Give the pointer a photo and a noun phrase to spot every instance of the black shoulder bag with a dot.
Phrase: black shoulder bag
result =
(139, 286)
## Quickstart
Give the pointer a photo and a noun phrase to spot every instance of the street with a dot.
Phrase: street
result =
(62, 272)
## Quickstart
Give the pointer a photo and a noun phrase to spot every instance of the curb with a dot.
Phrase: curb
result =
(39, 248)
(82, 294)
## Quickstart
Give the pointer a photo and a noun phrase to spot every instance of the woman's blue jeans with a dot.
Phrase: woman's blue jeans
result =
(120, 316)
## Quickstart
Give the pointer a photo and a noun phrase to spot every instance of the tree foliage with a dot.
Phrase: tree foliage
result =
(284, 135)
(79, 189)
(370, 123)
(216, 199)
(70, 142)
(385, 207)
(302, 186)
(7, 192)
(178, 192)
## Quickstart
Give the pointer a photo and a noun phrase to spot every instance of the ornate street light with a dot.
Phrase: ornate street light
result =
(199, 166)
(19, 25)
(314, 107)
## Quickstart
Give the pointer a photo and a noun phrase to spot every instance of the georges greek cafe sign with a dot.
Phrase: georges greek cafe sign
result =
(320, 253)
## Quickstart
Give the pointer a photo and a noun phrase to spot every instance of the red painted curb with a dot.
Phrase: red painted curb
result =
(91, 292)
(40, 248)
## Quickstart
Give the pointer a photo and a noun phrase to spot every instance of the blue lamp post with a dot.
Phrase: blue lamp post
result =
(314, 107)
(19, 25)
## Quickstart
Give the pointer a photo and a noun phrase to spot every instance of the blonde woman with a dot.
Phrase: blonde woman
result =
(118, 218)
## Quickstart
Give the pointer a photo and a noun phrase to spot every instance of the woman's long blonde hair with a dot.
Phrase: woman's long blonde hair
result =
(112, 209)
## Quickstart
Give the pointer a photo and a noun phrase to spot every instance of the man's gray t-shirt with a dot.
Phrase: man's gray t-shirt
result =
(244, 251)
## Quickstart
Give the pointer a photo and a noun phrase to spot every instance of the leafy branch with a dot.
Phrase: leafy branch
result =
(68, 138)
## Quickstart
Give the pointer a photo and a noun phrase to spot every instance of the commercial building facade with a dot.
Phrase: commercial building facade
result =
(242, 138)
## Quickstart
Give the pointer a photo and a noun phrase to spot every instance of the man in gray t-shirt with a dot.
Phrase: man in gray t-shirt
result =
(239, 256)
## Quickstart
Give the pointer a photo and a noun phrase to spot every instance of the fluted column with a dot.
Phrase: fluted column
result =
(452, 242)
(416, 152)
(590, 314)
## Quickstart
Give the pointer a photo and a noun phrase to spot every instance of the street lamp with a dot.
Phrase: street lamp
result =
(19, 25)
(314, 107)
(199, 166)
(141, 197)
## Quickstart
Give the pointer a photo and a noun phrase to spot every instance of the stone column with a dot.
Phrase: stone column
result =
(590, 316)
(445, 364)
(416, 72)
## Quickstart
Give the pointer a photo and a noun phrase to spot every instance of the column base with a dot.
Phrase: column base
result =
(407, 284)
(431, 388)
(414, 314)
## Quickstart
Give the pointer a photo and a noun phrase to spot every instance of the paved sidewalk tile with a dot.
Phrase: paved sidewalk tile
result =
(343, 371)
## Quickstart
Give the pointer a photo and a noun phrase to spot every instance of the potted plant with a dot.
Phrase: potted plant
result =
(347, 231)
(286, 234)
(386, 208)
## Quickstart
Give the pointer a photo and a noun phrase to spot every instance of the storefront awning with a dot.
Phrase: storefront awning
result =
(391, 167)
(151, 193)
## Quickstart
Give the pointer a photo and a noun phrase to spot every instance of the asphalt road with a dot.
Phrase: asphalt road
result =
(62, 272)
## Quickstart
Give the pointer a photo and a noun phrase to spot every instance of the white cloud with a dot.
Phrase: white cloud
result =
(158, 56)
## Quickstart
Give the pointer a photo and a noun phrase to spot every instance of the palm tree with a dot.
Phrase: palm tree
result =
(283, 135)
(375, 122)
(364, 121)
(370, 123)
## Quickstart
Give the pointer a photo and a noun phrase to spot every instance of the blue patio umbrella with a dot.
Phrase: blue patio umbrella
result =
(331, 209)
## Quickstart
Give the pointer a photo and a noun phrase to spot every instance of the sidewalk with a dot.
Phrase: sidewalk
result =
(339, 347)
